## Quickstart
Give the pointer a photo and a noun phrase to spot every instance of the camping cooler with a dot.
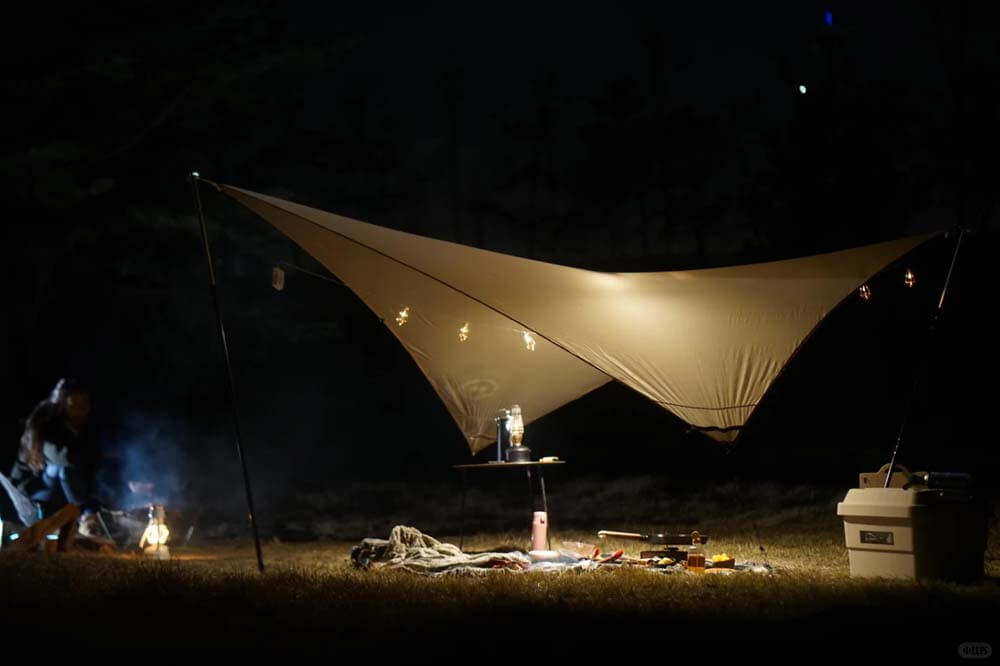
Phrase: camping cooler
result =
(914, 533)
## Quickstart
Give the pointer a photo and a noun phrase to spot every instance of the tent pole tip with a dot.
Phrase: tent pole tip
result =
(196, 178)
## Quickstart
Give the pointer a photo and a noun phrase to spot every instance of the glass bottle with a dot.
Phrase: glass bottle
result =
(696, 555)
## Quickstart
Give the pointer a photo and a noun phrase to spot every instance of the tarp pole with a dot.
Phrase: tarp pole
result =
(916, 382)
(229, 372)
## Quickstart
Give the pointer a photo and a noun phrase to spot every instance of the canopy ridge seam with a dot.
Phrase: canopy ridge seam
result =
(436, 279)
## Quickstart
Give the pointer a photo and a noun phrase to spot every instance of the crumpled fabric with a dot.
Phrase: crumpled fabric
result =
(410, 549)
(27, 512)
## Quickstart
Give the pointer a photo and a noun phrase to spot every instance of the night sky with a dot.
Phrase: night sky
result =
(605, 137)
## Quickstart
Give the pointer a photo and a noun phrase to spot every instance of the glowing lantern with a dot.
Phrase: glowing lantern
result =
(463, 333)
(517, 452)
(865, 292)
(909, 279)
(403, 317)
(529, 341)
(278, 279)
(154, 539)
(516, 426)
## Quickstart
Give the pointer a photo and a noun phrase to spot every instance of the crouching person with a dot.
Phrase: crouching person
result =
(59, 456)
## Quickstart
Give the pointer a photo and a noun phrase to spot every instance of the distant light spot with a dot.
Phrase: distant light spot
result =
(802, 89)
(828, 17)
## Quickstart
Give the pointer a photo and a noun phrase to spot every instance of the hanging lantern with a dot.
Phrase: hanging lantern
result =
(529, 341)
(278, 279)
(154, 539)
(463, 333)
(865, 292)
(909, 279)
(403, 317)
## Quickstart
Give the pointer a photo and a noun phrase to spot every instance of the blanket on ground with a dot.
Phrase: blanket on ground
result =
(410, 549)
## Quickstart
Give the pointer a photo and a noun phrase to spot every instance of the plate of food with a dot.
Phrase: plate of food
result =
(723, 561)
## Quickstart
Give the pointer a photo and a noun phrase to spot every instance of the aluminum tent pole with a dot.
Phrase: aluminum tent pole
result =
(195, 178)
(916, 382)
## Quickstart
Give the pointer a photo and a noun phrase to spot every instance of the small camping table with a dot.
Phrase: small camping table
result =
(508, 465)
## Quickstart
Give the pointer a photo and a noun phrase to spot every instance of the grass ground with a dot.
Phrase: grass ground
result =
(210, 599)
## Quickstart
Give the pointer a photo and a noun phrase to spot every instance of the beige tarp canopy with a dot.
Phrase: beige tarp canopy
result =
(490, 330)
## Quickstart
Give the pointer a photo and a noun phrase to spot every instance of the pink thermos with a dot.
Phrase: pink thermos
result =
(539, 531)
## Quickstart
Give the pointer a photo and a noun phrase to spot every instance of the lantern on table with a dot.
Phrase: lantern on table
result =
(517, 452)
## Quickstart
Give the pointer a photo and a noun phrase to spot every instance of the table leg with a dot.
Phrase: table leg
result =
(531, 495)
(545, 508)
(461, 529)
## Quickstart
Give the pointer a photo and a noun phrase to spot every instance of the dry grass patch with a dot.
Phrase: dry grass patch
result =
(312, 599)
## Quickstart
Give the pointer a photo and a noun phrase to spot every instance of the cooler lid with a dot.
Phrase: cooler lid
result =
(882, 502)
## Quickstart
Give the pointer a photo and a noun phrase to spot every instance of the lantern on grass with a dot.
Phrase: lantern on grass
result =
(909, 279)
(154, 539)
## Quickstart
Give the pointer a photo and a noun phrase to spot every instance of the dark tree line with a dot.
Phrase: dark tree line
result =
(115, 104)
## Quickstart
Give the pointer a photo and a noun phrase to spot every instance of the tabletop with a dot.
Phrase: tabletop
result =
(527, 463)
